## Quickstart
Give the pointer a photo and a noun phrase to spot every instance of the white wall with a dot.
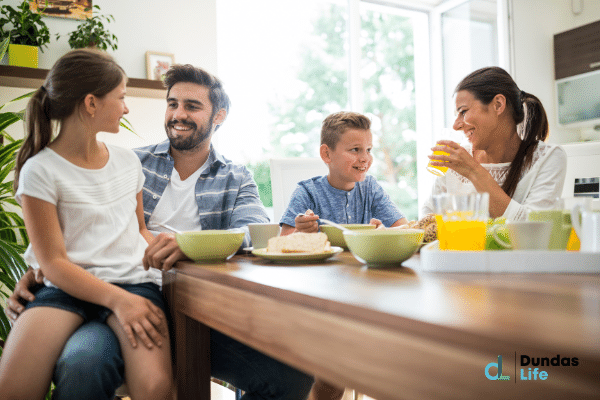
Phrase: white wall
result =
(185, 28)
(534, 24)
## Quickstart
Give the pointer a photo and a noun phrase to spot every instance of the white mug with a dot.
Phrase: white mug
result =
(261, 233)
(525, 235)
(588, 230)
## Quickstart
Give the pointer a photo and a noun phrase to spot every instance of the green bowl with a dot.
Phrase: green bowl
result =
(335, 237)
(384, 247)
(210, 245)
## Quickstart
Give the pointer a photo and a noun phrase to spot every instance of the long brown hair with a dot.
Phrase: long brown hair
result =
(526, 109)
(74, 76)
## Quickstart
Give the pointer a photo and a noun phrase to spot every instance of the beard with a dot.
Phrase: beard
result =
(195, 137)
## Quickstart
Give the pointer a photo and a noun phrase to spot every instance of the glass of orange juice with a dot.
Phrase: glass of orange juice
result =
(462, 220)
(444, 134)
(436, 169)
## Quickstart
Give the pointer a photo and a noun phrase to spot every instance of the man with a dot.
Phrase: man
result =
(188, 186)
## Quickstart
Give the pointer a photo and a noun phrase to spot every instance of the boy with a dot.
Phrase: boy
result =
(347, 195)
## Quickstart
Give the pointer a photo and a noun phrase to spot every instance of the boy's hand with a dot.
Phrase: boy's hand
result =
(307, 222)
(378, 224)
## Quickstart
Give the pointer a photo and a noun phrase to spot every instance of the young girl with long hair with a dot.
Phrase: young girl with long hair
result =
(82, 206)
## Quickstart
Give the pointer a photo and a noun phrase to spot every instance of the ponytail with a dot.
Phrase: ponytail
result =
(38, 130)
(527, 111)
(533, 128)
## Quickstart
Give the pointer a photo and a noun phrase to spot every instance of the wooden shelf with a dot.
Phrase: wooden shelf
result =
(33, 78)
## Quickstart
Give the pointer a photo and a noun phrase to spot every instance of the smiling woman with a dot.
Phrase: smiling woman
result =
(507, 156)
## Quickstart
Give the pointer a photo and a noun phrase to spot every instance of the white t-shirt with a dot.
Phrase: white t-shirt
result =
(177, 206)
(539, 187)
(96, 212)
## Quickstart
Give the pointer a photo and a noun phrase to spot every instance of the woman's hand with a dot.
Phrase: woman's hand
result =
(140, 318)
(458, 159)
(307, 222)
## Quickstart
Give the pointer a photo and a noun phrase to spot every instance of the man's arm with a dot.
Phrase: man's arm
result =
(22, 293)
(247, 208)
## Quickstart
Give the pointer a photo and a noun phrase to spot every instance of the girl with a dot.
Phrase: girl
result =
(82, 205)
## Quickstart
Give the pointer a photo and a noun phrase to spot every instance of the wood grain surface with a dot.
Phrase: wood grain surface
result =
(394, 333)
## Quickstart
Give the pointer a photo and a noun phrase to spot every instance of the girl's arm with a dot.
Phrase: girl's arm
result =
(139, 211)
(137, 315)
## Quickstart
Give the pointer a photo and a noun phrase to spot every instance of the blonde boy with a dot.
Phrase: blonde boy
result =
(346, 195)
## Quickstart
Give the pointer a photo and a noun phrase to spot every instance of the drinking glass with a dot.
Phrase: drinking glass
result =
(462, 220)
(444, 134)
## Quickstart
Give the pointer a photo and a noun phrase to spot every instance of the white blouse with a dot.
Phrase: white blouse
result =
(539, 187)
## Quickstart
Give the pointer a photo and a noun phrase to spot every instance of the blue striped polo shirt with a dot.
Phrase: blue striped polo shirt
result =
(365, 201)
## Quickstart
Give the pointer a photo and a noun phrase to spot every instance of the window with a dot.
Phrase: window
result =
(295, 62)
(293, 65)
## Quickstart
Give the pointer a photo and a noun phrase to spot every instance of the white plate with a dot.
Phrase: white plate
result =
(297, 257)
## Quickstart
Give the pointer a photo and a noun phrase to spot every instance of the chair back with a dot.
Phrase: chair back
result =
(285, 175)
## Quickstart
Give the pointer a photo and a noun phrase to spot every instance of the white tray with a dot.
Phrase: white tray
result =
(434, 259)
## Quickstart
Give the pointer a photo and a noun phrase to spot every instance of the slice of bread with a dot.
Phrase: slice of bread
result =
(299, 242)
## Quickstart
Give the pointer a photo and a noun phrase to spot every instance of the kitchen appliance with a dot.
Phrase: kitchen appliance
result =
(578, 101)
(583, 171)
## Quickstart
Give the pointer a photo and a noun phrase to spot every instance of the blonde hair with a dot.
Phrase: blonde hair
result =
(338, 123)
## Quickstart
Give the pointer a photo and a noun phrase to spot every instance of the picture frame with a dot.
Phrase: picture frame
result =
(157, 64)
(71, 9)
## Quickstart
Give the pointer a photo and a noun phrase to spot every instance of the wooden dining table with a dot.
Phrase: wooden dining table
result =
(396, 332)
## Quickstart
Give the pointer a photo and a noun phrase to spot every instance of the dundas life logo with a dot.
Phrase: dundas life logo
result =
(529, 374)
(498, 376)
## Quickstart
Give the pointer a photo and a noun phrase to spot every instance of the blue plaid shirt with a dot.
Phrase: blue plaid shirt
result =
(367, 200)
(226, 193)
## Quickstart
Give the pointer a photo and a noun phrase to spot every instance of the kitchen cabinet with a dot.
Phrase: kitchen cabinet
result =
(577, 51)
(22, 77)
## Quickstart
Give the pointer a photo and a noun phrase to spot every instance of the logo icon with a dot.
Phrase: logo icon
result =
(498, 376)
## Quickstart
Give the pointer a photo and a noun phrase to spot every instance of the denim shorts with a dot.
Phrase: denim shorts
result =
(46, 296)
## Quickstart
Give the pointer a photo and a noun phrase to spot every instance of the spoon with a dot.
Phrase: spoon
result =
(328, 222)
(169, 228)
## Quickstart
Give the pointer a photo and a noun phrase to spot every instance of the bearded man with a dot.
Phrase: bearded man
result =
(188, 186)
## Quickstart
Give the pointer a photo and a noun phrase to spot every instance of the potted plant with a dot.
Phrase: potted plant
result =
(27, 32)
(93, 33)
(13, 238)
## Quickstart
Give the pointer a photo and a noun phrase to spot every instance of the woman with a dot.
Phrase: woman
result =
(507, 156)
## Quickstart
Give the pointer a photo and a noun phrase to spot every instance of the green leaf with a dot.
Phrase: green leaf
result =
(4, 46)
(127, 125)
(25, 96)
(13, 264)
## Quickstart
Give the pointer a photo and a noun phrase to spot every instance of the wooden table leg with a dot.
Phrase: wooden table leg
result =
(191, 343)
(192, 358)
